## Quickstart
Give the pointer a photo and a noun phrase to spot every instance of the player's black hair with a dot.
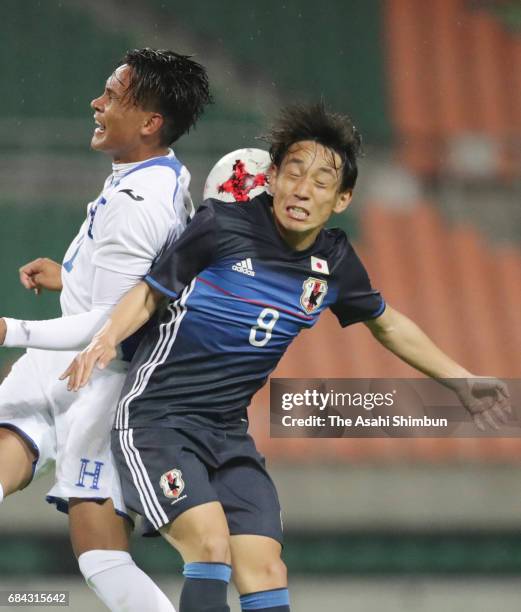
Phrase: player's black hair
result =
(301, 122)
(171, 84)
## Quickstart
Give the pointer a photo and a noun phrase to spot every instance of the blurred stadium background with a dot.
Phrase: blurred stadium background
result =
(435, 87)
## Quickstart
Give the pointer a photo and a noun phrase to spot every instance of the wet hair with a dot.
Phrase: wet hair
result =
(300, 122)
(168, 83)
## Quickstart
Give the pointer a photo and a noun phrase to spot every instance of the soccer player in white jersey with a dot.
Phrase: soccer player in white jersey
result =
(151, 99)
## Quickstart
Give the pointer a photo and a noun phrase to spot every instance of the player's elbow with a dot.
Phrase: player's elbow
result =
(385, 325)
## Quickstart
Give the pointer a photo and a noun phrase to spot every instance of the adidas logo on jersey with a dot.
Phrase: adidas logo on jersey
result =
(244, 267)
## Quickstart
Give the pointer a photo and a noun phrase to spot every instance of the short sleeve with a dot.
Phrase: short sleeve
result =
(188, 255)
(129, 233)
(357, 300)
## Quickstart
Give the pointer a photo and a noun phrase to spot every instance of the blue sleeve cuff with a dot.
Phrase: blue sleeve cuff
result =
(380, 310)
(153, 283)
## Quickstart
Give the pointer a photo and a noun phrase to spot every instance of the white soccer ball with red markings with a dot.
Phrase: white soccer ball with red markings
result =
(239, 176)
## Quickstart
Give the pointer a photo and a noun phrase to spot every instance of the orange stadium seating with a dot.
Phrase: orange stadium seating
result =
(452, 71)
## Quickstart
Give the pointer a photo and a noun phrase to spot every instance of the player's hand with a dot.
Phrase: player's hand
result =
(100, 352)
(487, 400)
(3, 331)
(42, 273)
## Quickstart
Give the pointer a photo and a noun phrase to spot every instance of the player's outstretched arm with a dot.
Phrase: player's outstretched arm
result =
(406, 340)
(132, 312)
(487, 399)
(42, 273)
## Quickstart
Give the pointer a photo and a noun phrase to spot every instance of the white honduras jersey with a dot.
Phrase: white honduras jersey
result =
(137, 214)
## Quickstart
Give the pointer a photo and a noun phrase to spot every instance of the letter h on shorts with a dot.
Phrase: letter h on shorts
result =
(95, 474)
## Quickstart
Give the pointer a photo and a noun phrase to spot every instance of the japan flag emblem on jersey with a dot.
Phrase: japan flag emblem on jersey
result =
(314, 291)
(319, 265)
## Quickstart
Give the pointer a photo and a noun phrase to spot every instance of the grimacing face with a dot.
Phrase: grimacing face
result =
(121, 125)
(305, 190)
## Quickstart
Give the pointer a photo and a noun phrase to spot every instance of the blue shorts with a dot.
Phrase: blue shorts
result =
(165, 472)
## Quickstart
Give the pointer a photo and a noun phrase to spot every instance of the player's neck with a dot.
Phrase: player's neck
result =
(298, 241)
(139, 155)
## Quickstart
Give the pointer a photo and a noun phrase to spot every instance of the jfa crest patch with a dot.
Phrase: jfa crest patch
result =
(314, 291)
(172, 483)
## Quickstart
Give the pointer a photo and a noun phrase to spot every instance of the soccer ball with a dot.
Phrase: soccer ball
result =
(239, 176)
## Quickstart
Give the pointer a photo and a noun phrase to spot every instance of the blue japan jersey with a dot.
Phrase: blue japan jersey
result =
(238, 296)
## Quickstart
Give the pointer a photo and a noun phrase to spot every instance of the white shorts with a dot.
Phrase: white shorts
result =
(70, 430)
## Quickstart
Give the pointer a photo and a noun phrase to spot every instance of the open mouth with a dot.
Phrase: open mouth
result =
(297, 213)
(100, 128)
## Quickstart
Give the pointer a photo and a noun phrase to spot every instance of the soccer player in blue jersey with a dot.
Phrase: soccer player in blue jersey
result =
(242, 282)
